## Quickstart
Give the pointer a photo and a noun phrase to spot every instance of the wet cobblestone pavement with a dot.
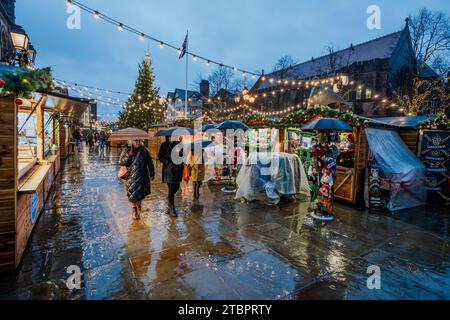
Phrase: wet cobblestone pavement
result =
(220, 248)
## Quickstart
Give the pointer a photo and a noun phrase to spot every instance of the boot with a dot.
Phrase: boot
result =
(173, 211)
(135, 214)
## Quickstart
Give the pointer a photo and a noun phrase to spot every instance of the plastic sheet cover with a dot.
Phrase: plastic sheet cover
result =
(404, 170)
(267, 176)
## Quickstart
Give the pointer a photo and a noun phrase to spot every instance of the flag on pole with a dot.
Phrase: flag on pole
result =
(183, 48)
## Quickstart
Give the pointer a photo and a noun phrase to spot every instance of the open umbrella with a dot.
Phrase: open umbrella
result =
(207, 127)
(232, 124)
(175, 131)
(327, 124)
(129, 134)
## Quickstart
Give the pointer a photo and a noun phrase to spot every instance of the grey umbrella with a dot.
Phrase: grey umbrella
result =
(175, 131)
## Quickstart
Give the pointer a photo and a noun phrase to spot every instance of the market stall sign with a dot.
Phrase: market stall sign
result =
(435, 154)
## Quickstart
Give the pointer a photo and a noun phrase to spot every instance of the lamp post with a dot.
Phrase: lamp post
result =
(24, 53)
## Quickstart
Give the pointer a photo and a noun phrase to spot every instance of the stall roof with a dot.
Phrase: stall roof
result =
(69, 106)
(402, 122)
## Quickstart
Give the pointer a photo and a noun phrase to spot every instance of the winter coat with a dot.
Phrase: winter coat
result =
(171, 173)
(138, 183)
(197, 163)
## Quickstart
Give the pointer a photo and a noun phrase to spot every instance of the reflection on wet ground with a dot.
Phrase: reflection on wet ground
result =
(220, 248)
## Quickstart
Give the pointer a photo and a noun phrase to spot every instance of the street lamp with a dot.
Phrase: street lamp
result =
(19, 38)
(31, 53)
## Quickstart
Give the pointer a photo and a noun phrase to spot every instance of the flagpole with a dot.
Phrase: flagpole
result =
(187, 69)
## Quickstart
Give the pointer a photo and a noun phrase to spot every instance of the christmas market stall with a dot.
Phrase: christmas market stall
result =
(33, 133)
(346, 147)
(270, 176)
(395, 177)
(428, 137)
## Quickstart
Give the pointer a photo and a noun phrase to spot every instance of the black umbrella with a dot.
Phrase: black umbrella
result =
(232, 124)
(207, 127)
(175, 131)
(327, 124)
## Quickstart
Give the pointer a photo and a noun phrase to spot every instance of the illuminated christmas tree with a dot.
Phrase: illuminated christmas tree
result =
(143, 107)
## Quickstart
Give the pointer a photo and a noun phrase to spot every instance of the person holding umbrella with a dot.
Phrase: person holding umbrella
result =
(196, 161)
(141, 171)
(172, 173)
(137, 167)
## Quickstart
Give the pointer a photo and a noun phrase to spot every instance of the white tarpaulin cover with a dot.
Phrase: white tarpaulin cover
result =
(404, 170)
(266, 176)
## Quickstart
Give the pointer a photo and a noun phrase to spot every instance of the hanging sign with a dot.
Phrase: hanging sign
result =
(434, 153)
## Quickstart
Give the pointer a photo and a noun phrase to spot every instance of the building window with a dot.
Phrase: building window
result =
(358, 94)
(368, 93)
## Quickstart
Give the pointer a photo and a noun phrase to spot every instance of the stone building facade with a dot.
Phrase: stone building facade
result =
(377, 68)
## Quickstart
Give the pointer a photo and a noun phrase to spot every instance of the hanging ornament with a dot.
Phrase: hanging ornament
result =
(2, 83)
(19, 102)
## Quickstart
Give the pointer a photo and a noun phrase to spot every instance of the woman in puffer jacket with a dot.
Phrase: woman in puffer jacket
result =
(140, 164)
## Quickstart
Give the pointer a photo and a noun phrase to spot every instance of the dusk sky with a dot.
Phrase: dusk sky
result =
(251, 34)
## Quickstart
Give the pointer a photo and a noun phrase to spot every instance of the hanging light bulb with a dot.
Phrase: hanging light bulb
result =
(161, 45)
(120, 27)
(96, 14)
(142, 36)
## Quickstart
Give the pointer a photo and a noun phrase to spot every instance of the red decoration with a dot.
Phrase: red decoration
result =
(2, 83)
(42, 78)
(19, 102)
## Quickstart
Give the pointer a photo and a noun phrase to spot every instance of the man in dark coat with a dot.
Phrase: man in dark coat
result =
(172, 173)
(140, 164)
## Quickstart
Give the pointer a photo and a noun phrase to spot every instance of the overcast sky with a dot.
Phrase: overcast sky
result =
(251, 34)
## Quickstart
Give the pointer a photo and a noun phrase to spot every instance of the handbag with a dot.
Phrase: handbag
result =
(186, 173)
(124, 171)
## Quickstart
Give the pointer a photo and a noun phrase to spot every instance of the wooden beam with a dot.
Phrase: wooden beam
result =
(40, 128)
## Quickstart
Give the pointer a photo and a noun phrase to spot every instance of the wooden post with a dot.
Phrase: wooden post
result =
(40, 132)
(8, 182)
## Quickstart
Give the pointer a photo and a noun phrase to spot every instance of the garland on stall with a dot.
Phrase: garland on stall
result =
(438, 121)
(22, 83)
(187, 123)
(258, 121)
(302, 116)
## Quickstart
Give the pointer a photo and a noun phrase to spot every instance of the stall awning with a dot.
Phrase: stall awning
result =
(404, 170)
(402, 122)
(68, 106)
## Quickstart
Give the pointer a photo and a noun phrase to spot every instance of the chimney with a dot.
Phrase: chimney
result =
(204, 88)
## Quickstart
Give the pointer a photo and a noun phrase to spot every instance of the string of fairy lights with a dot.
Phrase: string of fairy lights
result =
(121, 27)
(276, 85)
(249, 108)
(94, 93)
(161, 43)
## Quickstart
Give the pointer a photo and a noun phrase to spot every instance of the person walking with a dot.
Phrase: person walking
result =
(172, 173)
(196, 161)
(102, 140)
(90, 139)
(141, 171)
(77, 136)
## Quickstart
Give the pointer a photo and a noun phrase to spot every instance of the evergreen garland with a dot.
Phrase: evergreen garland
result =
(143, 107)
(438, 121)
(188, 123)
(21, 84)
(305, 115)
(258, 121)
